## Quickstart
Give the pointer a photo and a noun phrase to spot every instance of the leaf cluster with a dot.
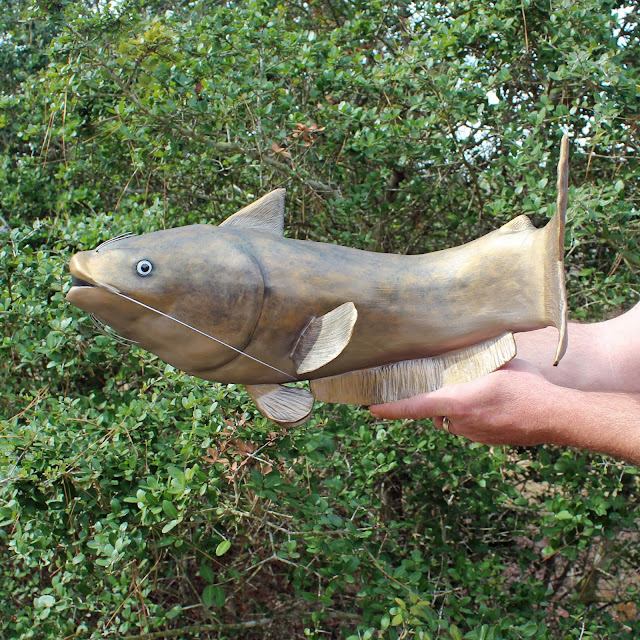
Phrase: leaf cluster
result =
(136, 502)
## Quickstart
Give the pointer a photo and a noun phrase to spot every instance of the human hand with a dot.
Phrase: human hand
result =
(513, 406)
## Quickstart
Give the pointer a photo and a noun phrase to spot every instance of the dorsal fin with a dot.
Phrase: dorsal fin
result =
(324, 338)
(265, 214)
(400, 380)
(521, 223)
(288, 406)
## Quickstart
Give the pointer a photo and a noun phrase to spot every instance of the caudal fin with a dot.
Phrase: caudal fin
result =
(555, 293)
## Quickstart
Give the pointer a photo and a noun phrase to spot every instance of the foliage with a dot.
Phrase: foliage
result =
(140, 503)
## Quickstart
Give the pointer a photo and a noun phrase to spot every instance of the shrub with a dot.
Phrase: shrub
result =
(140, 503)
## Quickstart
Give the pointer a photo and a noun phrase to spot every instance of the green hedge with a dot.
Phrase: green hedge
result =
(137, 502)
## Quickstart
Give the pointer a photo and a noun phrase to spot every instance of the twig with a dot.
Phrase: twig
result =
(198, 628)
(6, 228)
(387, 575)
(526, 35)
(133, 589)
(126, 186)
(220, 146)
(30, 406)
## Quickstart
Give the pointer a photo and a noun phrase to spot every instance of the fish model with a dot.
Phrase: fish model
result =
(240, 303)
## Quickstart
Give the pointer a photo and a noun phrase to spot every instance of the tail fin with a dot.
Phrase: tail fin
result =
(555, 293)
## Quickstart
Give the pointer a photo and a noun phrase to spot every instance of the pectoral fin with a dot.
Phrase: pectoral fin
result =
(411, 377)
(324, 338)
(288, 406)
(265, 214)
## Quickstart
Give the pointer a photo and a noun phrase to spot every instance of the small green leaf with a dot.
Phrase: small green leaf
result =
(223, 547)
(170, 525)
(397, 620)
(169, 509)
(529, 630)
(214, 594)
(207, 572)
(208, 595)
(175, 612)
(44, 602)
(272, 480)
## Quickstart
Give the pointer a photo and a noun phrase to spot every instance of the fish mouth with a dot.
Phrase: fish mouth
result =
(79, 275)
(78, 282)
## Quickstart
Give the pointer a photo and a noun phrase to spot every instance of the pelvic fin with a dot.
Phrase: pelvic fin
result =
(288, 406)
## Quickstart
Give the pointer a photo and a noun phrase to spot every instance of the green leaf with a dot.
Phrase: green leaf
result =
(223, 547)
(174, 612)
(272, 479)
(169, 509)
(214, 595)
(208, 595)
(397, 620)
(43, 602)
(170, 525)
(207, 572)
(530, 630)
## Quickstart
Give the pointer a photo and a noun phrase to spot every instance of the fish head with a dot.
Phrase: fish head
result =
(165, 290)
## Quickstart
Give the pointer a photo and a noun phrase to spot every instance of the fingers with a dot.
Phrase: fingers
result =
(426, 405)
(416, 408)
(453, 400)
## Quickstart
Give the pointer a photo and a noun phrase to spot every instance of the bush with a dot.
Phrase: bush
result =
(140, 503)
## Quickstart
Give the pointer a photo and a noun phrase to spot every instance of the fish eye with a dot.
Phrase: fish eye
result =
(144, 268)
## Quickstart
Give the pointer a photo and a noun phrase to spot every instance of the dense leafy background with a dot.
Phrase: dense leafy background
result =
(139, 503)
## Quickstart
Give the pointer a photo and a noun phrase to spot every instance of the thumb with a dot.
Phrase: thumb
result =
(520, 365)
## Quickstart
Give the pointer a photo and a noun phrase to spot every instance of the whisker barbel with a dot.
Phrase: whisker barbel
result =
(110, 333)
(122, 236)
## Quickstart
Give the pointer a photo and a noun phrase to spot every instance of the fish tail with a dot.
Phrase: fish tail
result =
(555, 292)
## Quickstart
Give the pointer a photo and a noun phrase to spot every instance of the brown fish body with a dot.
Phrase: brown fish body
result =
(408, 306)
(239, 303)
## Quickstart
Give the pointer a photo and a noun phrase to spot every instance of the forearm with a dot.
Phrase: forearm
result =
(580, 368)
(516, 405)
(603, 356)
(608, 423)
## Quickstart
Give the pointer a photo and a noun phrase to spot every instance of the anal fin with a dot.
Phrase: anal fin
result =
(400, 380)
(288, 406)
(324, 338)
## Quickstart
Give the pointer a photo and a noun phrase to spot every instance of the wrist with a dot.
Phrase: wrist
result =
(555, 424)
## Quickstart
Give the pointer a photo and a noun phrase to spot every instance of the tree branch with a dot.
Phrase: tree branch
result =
(230, 147)
(171, 633)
